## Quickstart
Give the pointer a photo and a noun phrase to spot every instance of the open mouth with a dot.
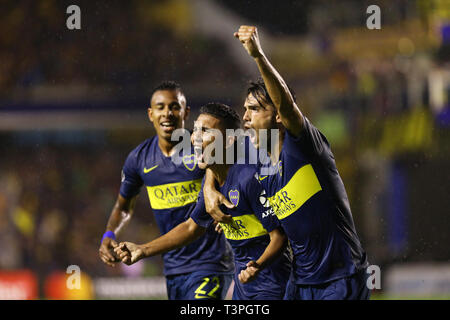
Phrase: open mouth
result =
(251, 133)
(167, 125)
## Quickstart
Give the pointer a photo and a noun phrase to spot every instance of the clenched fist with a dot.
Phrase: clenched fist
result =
(106, 252)
(129, 252)
(250, 273)
(248, 36)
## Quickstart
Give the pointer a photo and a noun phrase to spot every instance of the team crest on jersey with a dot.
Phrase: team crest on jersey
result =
(189, 162)
(234, 197)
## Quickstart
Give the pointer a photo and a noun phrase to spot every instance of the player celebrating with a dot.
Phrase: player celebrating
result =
(257, 246)
(172, 190)
(304, 189)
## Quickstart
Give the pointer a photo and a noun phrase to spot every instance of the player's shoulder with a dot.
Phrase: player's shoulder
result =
(314, 131)
(310, 139)
(142, 149)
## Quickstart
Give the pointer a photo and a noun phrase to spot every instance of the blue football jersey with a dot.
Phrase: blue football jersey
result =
(248, 232)
(308, 196)
(173, 190)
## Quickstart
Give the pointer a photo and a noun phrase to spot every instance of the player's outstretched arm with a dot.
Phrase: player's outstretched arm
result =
(178, 237)
(120, 216)
(291, 116)
(278, 242)
(213, 199)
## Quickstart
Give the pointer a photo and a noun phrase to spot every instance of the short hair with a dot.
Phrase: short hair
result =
(229, 116)
(259, 91)
(168, 85)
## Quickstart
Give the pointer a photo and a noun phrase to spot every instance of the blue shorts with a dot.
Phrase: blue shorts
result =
(353, 287)
(202, 285)
(240, 293)
(259, 289)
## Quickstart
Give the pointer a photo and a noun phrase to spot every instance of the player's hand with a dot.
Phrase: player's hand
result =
(248, 36)
(217, 227)
(129, 252)
(106, 252)
(250, 273)
(213, 200)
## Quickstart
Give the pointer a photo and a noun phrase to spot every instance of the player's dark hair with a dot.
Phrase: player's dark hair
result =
(227, 116)
(222, 112)
(259, 91)
(168, 85)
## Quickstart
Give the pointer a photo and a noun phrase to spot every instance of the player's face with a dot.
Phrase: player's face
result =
(168, 112)
(258, 117)
(206, 128)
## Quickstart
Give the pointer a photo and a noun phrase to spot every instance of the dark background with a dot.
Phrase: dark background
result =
(73, 104)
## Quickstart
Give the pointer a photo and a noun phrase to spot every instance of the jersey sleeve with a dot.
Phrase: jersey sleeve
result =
(131, 181)
(260, 205)
(311, 140)
(199, 214)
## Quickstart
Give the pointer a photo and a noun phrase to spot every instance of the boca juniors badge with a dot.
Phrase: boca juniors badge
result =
(234, 197)
(189, 162)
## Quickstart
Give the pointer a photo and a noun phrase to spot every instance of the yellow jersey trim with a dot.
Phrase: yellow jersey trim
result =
(302, 186)
(243, 227)
(173, 195)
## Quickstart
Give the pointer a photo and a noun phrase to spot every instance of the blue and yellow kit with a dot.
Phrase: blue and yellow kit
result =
(248, 234)
(173, 190)
(308, 196)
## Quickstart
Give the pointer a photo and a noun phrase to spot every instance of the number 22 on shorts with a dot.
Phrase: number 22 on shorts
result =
(200, 293)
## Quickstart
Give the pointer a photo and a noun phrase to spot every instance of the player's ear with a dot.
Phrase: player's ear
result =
(187, 111)
(278, 118)
(150, 114)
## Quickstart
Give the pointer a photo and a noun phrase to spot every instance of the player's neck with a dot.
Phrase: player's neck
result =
(220, 172)
(166, 147)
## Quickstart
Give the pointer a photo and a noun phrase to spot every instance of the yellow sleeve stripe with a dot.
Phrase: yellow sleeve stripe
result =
(243, 227)
(173, 195)
(302, 186)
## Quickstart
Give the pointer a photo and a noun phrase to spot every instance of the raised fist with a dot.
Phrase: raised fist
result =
(248, 36)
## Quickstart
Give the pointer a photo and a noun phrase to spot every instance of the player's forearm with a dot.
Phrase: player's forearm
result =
(275, 84)
(291, 116)
(120, 215)
(278, 242)
(178, 237)
(117, 221)
(209, 184)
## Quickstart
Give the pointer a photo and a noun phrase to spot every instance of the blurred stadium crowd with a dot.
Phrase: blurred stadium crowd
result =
(53, 202)
(373, 94)
(124, 46)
